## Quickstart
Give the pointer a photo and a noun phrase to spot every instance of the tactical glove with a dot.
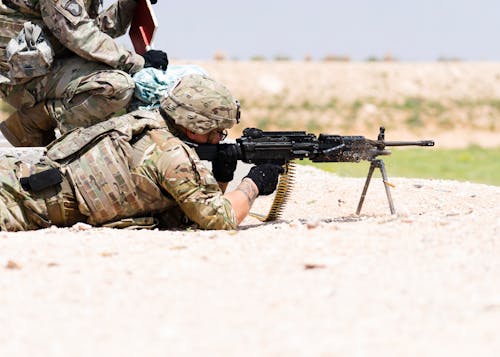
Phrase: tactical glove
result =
(265, 177)
(224, 165)
(156, 59)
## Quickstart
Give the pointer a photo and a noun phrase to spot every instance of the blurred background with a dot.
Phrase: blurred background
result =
(424, 70)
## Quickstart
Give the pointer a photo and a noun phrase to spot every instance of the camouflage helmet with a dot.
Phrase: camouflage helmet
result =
(200, 104)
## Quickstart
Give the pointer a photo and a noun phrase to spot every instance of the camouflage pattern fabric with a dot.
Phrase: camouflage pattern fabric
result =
(157, 175)
(119, 179)
(125, 127)
(22, 210)
(19, 210)
(201, 104)
(78, 91)
(77, 26)
(106, 184)
(10, 27)
(179, 171)
(30, 54)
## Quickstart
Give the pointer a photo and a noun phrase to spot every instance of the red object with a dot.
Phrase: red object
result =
(143, 27)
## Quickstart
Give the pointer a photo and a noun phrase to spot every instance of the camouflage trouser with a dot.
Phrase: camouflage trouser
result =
(22, 210)
(76, 93)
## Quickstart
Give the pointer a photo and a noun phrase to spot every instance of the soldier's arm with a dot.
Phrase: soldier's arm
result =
(116, 19)
(192, 186)
(70, 23)
(242, 198)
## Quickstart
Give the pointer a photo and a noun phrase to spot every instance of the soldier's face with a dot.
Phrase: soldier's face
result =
(213, 137)
(216, 136)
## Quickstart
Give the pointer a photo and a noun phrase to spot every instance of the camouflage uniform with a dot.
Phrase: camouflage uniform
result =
(89, 79)
(118, 173)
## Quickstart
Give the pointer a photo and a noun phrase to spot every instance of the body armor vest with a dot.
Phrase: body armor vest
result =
(103, 173)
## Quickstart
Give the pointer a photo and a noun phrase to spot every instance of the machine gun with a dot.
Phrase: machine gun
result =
(282, 147)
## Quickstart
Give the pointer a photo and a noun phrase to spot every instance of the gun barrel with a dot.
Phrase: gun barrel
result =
(410, 143)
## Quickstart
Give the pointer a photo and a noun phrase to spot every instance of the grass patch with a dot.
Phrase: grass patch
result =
(473, 164)
(356, 105)
(332, 103)
(412, 103)
(307, 105)
(436, 108)
(414, 121)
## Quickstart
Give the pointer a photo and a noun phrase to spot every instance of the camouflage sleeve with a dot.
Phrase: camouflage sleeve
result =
(116, 19)
(192, 185)
(69, 21)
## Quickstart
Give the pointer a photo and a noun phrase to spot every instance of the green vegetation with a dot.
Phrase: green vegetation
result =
(356, 105)
(332, 104)
(414, 120)
(412, 103)
(257, 58)
(487, 102)
(473, 164)
(281, 58)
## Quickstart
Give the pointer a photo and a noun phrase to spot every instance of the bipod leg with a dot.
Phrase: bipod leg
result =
(381, 166)
(367, 183)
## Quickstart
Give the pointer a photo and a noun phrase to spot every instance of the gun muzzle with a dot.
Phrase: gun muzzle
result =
(410, 143)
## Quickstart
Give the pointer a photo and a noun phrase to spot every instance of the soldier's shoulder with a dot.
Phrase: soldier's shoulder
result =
(166, 141)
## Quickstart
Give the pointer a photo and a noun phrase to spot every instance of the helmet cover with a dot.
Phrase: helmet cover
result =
(201, 105)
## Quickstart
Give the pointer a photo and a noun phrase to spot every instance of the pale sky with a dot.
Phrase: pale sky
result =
(418, 30)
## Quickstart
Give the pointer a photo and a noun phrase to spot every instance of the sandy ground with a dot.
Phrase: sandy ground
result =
(319, 282)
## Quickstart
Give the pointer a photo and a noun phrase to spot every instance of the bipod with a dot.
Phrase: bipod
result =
(377, 164)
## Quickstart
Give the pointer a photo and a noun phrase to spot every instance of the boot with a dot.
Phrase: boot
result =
(29, 126)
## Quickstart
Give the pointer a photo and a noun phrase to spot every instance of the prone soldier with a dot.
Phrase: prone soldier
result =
(136, 170)
(61, 67)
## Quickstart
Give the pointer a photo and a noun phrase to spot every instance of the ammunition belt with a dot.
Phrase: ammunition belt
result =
(283, 191)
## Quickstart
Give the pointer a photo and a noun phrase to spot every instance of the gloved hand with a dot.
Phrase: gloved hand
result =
(156, 59)
(224, 165)
(265, 177)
